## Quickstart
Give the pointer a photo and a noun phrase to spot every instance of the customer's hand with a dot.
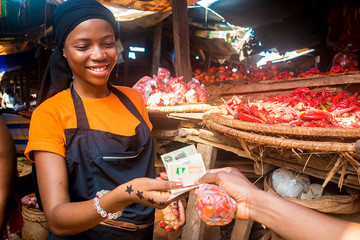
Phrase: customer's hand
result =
(236, 185)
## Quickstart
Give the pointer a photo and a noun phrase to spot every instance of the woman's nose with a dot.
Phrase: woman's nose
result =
(98, 53)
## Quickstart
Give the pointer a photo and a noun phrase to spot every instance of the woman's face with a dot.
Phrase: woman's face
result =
(91, 52)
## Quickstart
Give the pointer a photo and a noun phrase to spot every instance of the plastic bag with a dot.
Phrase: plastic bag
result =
(288, 184)
(214, 206)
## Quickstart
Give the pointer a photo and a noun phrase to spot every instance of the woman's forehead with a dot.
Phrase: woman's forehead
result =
(92, 28)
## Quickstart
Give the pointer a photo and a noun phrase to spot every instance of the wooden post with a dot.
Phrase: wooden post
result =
(194, 227)
(181, 39)
(156, 48)
(241, 230)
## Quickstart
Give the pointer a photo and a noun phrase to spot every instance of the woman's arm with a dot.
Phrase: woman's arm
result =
(8, 173)
(69, 218)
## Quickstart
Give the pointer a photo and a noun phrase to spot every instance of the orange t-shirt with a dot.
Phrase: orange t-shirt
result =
(53, 116)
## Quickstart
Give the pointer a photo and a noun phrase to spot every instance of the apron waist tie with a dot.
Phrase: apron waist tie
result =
(125, 225)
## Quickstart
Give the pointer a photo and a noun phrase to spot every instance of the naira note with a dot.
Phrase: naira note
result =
(177, 155)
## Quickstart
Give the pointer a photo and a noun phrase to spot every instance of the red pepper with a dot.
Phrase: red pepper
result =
(296, 122)
(320, 123)
(231, 112)
(276, 99)
(255, 111)
(249, 118)
(352, 98)
(336, 99)
(244, 108)
(343, 104)
(315, 114)
(304, 90)
(339, 112)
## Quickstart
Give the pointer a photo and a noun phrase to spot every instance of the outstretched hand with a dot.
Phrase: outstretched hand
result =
(150, 192)
(236, 185)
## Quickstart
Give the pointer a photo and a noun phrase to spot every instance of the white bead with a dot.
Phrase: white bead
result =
(99, 208)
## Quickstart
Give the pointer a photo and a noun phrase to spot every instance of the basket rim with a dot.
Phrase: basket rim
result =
(349, 133)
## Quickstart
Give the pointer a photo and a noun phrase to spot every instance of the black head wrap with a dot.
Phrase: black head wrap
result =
(67, 16)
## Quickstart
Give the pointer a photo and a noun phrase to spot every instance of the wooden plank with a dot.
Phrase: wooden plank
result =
(235, 150)
(271, 86)
(194, 227)
(156, 48)
(241, 230)
(181, 39)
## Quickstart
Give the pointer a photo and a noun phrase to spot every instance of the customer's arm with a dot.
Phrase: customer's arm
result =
(8, 171)
(288, 219)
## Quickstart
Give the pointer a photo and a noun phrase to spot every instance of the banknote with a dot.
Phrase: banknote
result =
(177, 155)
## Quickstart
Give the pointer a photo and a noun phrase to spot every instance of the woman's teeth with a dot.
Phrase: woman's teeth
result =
(98, 69)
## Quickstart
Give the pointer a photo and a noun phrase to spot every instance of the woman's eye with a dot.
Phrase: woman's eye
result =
(109, 44)
(82, 47)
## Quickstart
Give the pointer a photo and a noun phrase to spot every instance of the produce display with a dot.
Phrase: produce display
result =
(302, 107)
(163, 90)
(343, 62)
(214, 205)
(30, 201)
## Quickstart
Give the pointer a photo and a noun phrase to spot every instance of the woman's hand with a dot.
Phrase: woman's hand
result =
(236, 185)
(149, 192)
(174, 216)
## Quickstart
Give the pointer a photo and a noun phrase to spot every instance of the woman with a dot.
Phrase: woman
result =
(90, 141)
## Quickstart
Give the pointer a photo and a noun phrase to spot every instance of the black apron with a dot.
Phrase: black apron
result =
(99, 160)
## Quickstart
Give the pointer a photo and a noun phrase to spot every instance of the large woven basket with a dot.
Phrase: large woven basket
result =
(230, 128)
(346, 134)
(336, 204)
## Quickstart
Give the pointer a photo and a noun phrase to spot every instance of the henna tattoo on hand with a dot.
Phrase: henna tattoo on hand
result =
(150, 200)
(129, 189)
(140, 194)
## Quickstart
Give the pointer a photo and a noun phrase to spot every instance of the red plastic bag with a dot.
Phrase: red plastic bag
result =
(214, 206)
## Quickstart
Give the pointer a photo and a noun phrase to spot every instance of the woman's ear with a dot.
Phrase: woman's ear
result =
(64, 54)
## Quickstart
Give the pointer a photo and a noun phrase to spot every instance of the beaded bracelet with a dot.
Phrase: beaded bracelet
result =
(101, 211)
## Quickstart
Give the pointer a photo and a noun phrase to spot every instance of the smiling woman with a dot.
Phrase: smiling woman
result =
(91, 141)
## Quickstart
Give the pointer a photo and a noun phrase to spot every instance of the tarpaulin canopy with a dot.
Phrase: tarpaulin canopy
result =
(144, 5)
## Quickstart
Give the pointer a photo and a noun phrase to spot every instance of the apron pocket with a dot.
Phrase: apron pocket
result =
(122, 156)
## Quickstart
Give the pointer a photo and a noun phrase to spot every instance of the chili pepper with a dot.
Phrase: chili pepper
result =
(249, 118)
(320, 123)
(336, 99)
(339, 112)
(230, 111)
(296, 122)
(314, 93)
(304, 90)
(315, 114)
(245, 108)
(323, 107)
(352, 98)
(234, 100)
(276, 99)
(255, 111)
(343, 104)
(270, 119)
(326, 94)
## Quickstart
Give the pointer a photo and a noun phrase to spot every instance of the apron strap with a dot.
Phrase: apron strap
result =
(127, 102)
(81, 118)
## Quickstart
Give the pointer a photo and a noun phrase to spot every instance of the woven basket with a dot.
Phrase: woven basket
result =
(285, 130)
(278, 142)
(336, 204)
